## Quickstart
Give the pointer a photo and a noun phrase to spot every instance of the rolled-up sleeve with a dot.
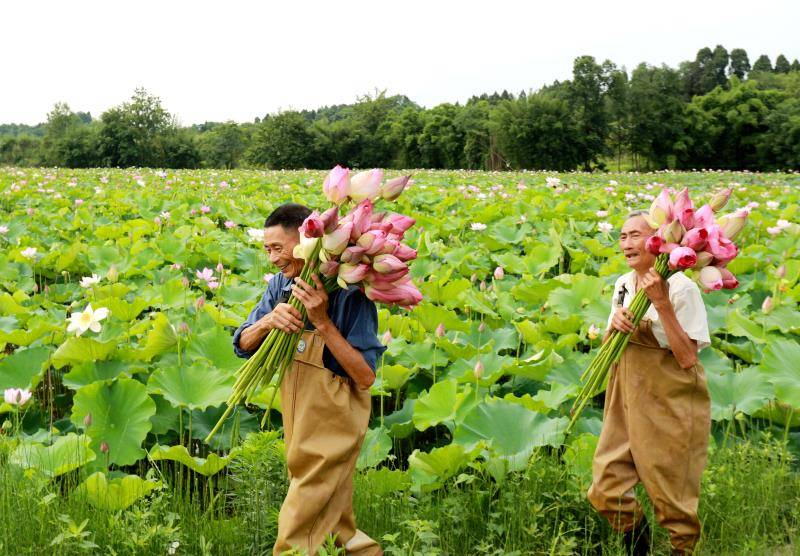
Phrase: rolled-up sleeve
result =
(691, 314)
(264, 306)
(359, 326)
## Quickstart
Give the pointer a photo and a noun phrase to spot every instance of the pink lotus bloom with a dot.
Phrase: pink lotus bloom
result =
(392, 189)
(230, 224)
(220, 268)
(661, 211)
(213, 285)
(400, 223)
(729, 281)
(388, 263)
(337, 185)
(696, 238)
(352, 254)
(312, 226)
(78, 202)
(16, 396)
(721, 247)
(405, 253)
(499, 273)
(654, 244)
(365, 185)
(683, 209)
(682, 258)
(405, 295)
(336, 241)
(329, 268)
(710, 278)
(206, 274)
(720, 199)
(704, 217)
(205, 209)
(352, 273)
(330, 219)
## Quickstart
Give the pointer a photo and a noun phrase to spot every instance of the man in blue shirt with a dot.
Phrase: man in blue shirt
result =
(325, 395)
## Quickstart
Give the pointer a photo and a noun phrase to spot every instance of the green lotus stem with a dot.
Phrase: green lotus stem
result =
(273, 355)
(611, 351)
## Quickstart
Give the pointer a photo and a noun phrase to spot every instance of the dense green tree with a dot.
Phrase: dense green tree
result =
(223, 145)
(762, 64)
(782, 65)
(284, 140)
(441, 142)
(740, 63)
(586, 96)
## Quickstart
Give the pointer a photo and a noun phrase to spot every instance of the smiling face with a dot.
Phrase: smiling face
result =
(279, 243)
(632, 240)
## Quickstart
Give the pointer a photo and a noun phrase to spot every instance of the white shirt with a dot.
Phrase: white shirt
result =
(686, 300)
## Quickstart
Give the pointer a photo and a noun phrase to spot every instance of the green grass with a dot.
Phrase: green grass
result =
(750, 505)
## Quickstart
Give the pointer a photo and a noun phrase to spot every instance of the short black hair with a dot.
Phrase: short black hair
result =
(288, 215)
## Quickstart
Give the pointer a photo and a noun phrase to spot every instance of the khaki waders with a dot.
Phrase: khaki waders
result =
(325, 418)
(656, 423)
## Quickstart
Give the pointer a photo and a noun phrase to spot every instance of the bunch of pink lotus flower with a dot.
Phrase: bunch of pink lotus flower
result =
(686, 239)
(695, 239)
(364, 247)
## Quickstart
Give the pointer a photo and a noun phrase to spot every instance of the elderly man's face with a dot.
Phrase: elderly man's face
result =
(632, 241)
(279, 242)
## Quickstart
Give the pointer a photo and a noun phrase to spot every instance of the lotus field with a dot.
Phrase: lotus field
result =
(120, 290)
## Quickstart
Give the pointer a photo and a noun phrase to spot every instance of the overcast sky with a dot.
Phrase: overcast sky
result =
(232, 60)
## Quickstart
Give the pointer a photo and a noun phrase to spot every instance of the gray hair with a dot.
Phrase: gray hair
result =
(636, 213)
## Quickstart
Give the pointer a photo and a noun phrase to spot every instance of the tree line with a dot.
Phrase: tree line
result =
(716, 111)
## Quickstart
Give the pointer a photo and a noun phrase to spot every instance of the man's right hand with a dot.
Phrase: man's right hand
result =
(622, 320)
(284, 317)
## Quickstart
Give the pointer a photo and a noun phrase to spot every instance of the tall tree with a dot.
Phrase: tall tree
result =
(284, 140)
(763, 64)
(740, 63)
(586, 94)
(782, 65)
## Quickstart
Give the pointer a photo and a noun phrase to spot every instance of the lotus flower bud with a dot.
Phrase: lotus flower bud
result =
(337, 185)
(365, 185)
(499, 273)
(440, 330)
(696, 238)
(104, 447)
(673, 232)
(361, 218)
(731, 225)
(593, 332)
(654, 244)
(682, 258)
(729, 281)
(661, 211)
(352, 254)
(392, 189)
(305, 248)
(400, 223)
(351, 274)
(387, 263)
(780, 273)
(386, 339)
(312, 226)
(200, 303)
(684, 209)
(766, 306)
(330, 219)
(372, 241)
(710, 278)
(87, 420)
(704, 258)
(112, 274)
(719, 200)
(704, 217)
(477, 371)
(336, 241)
(481, 327)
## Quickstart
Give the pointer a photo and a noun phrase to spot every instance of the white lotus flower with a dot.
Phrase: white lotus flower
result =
(16, 396)
(29, 252)
(477, 226)
(88, 319)
(89, 281)
(604, 227)
(256, 235)
(3, 229)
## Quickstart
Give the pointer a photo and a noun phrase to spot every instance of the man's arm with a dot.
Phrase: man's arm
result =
(283, 317)
(683, 347)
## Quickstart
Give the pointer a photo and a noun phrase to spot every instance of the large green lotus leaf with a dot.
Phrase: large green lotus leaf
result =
(375, 449)
(120, 416)
(563, 325)
(65, 454)
(542, 258)
(781, 366)
(401, 422)
(78, 350)
(715, 361)
(744, 392)
(448, 293)
(740, 325)
(36, 328)
(784, 318)
(224, 316)
(478, 301)
(431, 316)
(161, 338)
(211, 465)
(511, 431)
(123, 310)
(93, 371)
(23, 368)
(116, 494)
(215, 346)
(511, 262)
(583, 297)
(103, 257)
(494, 367)
(415, 355)
(537, 365)
(196, 387)
(394, 377)
(443, 403)
(534, 292)
(430, 470)
(242, 293)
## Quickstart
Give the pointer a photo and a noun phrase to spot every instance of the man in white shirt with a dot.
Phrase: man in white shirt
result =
(657, 414)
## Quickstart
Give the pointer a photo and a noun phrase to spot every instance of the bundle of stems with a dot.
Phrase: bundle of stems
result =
(274, 355)
(610, 352)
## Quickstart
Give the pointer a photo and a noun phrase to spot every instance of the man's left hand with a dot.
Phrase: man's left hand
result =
(655, 288)
(315, 300)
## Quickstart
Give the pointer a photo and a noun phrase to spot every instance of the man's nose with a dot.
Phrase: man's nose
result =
(273, 258)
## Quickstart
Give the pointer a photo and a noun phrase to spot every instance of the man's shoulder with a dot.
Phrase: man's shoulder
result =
(680, 283)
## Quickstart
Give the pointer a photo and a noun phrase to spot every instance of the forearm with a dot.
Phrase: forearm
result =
(348, 357)
(682, 346)
(252, 336)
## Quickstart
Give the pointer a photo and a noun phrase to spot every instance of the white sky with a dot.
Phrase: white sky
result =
(236, 60)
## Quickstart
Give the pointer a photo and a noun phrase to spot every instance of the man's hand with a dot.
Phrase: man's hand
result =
(284, 317)
(314, 299)
(655, 288)
(622, 320)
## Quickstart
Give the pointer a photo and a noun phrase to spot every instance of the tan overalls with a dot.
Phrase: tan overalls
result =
(325, 418)
(656, 422)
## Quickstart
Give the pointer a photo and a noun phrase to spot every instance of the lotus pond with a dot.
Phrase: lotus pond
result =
(107, 455)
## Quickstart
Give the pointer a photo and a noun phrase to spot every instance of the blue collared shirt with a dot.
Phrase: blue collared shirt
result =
(351, 312)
